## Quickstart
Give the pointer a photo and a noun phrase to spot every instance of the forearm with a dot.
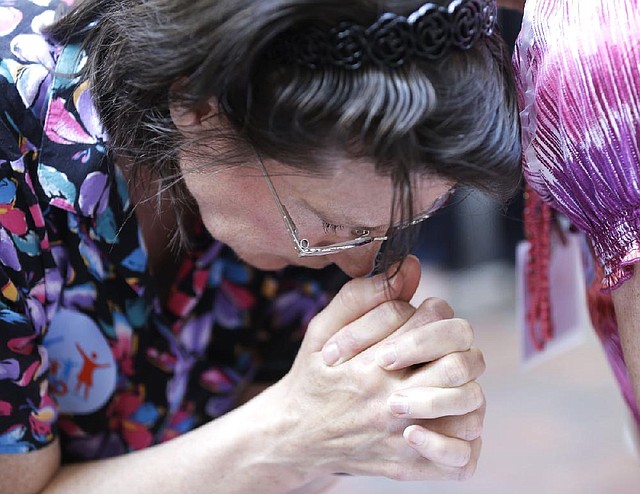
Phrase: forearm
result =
(320, 418)
(626, 301)
(243, 451)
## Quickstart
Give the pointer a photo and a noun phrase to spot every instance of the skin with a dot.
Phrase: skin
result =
(379, 387)
(351, 195)
(262, 240)
(625, 302)
(283, 437)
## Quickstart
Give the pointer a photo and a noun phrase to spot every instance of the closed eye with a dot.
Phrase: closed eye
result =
(330, 227)
(355, 232)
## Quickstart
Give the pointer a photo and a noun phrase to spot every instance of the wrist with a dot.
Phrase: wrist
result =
(273, 444)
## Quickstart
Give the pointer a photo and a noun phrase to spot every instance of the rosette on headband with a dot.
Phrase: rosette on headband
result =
(428, 33)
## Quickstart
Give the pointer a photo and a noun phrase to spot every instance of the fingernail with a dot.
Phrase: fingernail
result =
(386, 356)
(330, 354)
(417, 437)
(399, 405)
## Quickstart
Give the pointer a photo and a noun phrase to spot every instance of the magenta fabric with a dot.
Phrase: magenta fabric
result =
(578, 74)
(578, 66)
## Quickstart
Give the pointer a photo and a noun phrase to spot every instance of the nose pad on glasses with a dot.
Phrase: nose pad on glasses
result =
(360, 232)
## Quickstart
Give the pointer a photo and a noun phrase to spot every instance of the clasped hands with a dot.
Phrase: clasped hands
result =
(380, 387)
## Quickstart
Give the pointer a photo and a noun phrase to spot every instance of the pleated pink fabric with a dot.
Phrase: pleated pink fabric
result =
(578, 74)
(578, 65)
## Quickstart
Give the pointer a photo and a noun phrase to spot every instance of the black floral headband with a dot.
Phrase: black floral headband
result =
(428, 33)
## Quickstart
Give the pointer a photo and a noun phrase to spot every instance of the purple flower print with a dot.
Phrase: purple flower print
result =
(37, 313)
(8, 253)
(80, 296)
(193, 341)
(92, 258)
(293, 306)
(9, 369)
(94, 194)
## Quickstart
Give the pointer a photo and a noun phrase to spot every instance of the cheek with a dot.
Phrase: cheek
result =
(248, 229)
(225, 212)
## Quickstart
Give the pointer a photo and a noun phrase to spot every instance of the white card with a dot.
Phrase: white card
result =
(569, 313)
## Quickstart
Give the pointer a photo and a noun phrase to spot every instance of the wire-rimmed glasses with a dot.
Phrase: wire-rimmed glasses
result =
(364, 237)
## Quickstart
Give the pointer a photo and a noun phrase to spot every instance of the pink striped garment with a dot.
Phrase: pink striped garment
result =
(578, 64)
(578, 72)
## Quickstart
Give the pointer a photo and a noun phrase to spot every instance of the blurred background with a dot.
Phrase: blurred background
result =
(558, 427)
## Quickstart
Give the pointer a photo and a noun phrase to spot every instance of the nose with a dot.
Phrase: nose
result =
(359, 261)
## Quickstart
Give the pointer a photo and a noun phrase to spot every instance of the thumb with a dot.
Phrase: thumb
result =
(361, 295)
(412, 271)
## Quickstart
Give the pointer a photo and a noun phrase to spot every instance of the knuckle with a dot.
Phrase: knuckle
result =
(424, 316)
(394, 311)
(436, 309)
(472, 427)
(455, 370)
(466, 472)
(465, 333)
(482, 411)
(475, 395)
(396, 471)
(349, 339)
(464, 455)
(482, 365)
(349, 295)
(314, 326)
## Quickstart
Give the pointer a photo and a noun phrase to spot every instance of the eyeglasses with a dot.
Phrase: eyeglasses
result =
(304, 248)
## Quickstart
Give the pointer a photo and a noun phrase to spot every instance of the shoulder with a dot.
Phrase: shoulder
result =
(27, 58)
(570, 33)
(22, 21)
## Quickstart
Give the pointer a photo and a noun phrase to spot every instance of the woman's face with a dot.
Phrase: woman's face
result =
(238, 209)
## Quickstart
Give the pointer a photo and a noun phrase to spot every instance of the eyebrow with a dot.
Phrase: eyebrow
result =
(346, 222)
(350, 223)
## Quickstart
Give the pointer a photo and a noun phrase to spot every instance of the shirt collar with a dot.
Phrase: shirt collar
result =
(73, 165)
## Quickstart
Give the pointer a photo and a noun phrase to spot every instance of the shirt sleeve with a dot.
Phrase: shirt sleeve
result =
(578, 70)
(28, 415)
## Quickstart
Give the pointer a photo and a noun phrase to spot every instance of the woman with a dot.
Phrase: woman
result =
(577, 65)
(179, 179)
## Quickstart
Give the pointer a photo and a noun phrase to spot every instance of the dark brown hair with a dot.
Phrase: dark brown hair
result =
(455, 117)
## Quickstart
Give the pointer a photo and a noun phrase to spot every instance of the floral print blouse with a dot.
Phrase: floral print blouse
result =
(87, 351)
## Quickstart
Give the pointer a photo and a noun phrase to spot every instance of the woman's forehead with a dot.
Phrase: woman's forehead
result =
(355, 177)
(354, 192)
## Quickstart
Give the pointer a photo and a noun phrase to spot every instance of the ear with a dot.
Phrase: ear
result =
(190, 119)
